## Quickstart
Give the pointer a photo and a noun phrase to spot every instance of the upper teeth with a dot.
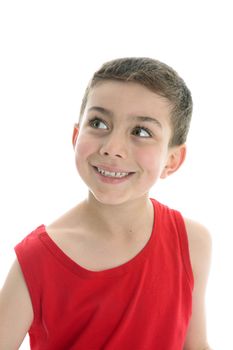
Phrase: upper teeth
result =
(111, 174)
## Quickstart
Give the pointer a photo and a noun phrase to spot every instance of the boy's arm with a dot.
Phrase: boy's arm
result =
(16, 313)
(200, 254)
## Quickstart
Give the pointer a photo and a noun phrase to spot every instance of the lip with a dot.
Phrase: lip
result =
(112, 180)
(112, 169)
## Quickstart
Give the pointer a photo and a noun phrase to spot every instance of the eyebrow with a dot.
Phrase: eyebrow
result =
(101, 110)
(148, 119)
(141, 118)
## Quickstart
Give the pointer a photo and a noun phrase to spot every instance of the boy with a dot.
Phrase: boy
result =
(119, 270)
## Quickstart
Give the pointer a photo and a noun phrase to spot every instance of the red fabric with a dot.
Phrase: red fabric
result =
(143, 304)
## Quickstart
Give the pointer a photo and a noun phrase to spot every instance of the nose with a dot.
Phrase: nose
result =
(114, 146)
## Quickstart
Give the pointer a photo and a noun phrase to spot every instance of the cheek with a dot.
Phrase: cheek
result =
(84, 147)
(83, 150)
(152, 162)
(149, 159)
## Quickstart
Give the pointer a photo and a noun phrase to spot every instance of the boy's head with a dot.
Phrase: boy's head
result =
(157, 77)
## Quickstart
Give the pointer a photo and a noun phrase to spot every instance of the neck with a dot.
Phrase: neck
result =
(121, 219)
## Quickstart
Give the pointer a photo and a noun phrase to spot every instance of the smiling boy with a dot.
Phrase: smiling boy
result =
(119, 270)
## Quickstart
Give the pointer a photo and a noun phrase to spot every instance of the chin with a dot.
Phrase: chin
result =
(107, 199)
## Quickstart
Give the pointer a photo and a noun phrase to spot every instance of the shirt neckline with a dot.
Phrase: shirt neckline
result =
(83, 272)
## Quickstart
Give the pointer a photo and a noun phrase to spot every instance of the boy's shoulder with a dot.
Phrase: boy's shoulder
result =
(200, 245)
(68, 227)
(69, 221)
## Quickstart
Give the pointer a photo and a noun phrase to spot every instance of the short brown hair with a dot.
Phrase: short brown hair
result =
(159, 78)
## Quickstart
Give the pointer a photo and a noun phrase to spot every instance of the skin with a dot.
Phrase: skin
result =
(109, 137)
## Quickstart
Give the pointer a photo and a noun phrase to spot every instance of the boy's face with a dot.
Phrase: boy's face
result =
(122, 144)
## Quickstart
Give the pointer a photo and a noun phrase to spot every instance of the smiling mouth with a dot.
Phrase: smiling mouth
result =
(116, 175)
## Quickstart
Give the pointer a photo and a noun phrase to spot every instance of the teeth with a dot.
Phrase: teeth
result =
(111, 174)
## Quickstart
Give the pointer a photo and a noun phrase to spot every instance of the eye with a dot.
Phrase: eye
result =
(97, 123)
(142, 132)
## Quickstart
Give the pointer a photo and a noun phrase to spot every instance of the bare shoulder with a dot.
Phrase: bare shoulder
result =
(69, 234)
(200, 245)
(69, 221)
(16, 311)
(197, 233)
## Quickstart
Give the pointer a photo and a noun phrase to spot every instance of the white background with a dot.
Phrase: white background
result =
(49, 50)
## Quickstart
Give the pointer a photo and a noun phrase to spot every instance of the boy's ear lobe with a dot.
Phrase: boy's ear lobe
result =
(175, 159)
(75, 134)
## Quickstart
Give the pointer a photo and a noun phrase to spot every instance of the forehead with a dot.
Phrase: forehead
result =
(129, 98)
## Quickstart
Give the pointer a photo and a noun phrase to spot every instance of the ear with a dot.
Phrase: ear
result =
(75, 134)
(176, 157)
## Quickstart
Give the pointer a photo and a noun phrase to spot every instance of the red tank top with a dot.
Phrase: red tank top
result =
(143, 304)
